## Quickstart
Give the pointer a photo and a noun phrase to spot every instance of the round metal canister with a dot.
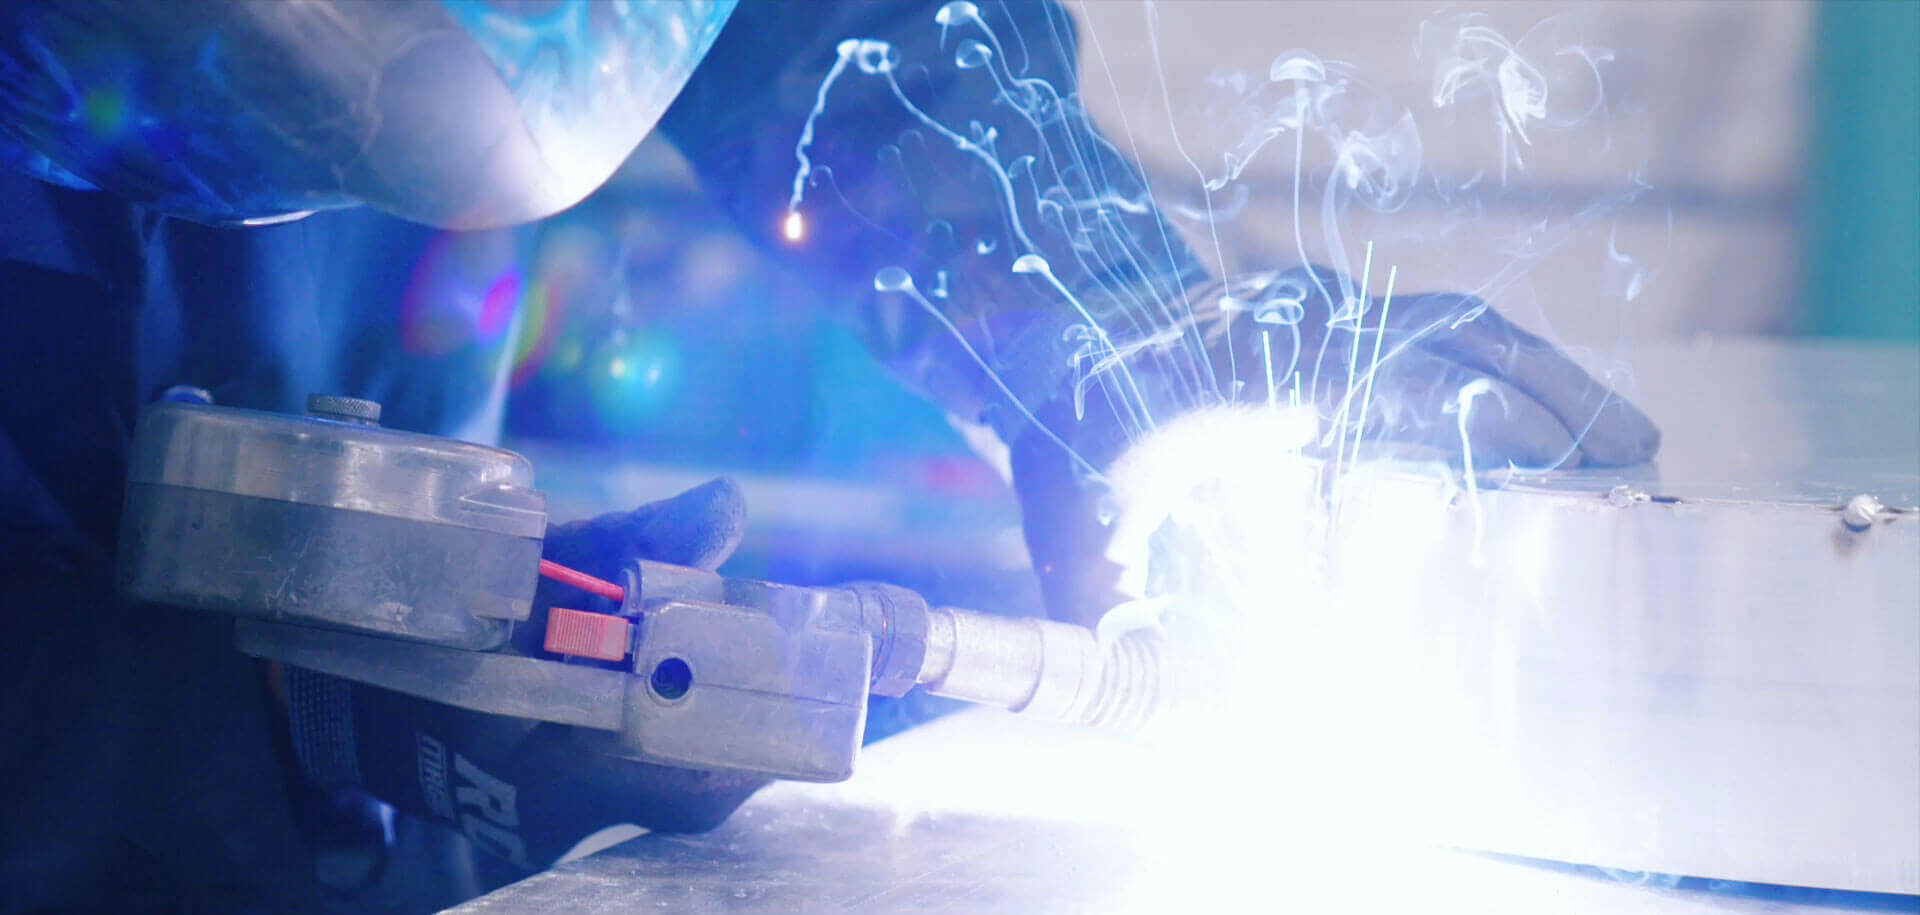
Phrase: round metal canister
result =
(329, 519)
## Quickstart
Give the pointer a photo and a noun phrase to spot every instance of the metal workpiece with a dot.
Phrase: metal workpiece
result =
(1042, 668)
(974, 813)
(1717, 681)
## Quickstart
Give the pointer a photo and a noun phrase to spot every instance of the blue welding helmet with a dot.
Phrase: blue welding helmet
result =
(456, 113)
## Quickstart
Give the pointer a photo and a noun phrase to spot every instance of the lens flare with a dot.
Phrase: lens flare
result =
(572, 269)
(634, 377)
(463, 291)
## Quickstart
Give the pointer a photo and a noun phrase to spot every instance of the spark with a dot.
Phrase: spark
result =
(1366, 402)
(1359, 304)
(793, 227)
(1463, 406)
(805, 142)
(1266, 349)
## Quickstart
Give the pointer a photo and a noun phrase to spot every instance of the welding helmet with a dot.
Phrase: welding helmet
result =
(456, 113)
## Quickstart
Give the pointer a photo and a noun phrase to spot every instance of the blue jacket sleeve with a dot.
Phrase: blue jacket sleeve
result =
(859, 140)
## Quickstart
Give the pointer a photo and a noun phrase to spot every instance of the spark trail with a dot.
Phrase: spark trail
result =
(877, 59)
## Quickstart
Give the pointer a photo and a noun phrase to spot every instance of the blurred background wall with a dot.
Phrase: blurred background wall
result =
(1862, 235)
(1702, 108)
(1774, 142)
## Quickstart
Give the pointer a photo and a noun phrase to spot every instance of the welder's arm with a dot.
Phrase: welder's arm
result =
(522, 790)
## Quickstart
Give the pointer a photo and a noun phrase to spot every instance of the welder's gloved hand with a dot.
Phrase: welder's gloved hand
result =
(1440, 355)
(1447, 362)
(528, 791)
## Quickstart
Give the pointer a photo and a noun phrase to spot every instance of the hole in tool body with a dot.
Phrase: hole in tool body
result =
(671, 679)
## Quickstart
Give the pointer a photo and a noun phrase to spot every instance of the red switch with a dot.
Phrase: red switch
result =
(587, 635)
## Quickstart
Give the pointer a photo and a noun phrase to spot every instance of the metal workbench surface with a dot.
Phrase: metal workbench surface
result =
(1710, 672)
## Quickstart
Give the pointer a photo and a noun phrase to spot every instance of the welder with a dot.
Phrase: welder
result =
(228, 195)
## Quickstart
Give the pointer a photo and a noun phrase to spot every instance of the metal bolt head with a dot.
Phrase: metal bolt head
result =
(343, 409)
(1860, 512)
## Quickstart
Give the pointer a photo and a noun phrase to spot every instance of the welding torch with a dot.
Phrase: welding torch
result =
(409, 562)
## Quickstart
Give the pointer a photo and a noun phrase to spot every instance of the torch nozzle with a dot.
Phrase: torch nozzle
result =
(1040, 667)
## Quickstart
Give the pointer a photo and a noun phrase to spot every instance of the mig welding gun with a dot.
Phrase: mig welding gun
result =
(409, 562)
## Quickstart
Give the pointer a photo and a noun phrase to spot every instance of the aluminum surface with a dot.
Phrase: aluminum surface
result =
(1717, 674)
(1707, 667)
(937, 821)
(1728, 690)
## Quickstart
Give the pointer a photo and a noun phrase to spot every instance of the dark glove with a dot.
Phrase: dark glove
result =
(528, 791)
(1442, 356)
